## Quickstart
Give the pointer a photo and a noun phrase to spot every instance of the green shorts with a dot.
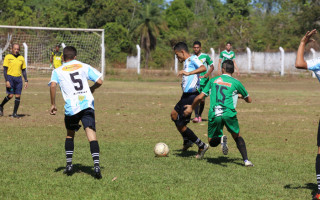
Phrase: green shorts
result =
(216, 124)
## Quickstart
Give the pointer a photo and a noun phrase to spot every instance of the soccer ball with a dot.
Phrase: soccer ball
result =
(161, 149)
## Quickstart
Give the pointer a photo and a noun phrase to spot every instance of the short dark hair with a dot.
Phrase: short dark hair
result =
(228, 66)
(69, 53)
(181, 46)
(197, 42)
(229, 43)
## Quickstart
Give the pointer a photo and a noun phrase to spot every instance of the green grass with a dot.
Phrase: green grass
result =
(279, 127)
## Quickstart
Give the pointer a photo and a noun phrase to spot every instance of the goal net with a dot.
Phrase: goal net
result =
(37, 44)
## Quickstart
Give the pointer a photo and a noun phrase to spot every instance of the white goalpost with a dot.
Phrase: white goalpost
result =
(37, 43)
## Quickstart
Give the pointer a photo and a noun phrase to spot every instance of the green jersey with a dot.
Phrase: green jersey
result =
(225, 55)
(207, 62)
(224, 91)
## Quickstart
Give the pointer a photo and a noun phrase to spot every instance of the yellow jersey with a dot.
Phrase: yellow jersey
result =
(15, 64)
(57, 58)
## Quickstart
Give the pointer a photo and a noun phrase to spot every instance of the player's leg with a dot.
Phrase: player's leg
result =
(233, 127)
(196, 114)
(72, 125)
(201, 108)
(17, 88)
(318, 164)
(176, 118)
(89, 125)
(215, 134)
(8, 97)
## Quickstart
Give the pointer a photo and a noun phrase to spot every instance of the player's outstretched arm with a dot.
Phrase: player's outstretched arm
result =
(202, 68)
(189, 108)
(300, 62)
(96, 85)
(53, 109)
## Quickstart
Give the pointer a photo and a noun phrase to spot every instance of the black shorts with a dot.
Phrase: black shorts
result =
(186, 99)
(86, 116)
(15, 83)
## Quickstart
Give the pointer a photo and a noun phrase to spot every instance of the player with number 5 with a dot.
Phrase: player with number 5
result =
(224, 92)
(73, 78)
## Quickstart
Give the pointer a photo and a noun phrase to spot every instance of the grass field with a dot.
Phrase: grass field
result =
(133, 114)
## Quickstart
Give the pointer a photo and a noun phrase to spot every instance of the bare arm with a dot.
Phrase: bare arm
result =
(96, 85)
(209, 72)
(189, 108)
(53, 109)
(248, 99)
(219, 66)
(202, 68)
(236, 67)
(300, 62)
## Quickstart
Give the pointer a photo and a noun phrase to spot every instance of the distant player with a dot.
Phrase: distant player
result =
(56, 57)
(190, 83)
(313, 65)
(204, 78)
(223, 91)
(73, 78)
(14, 66)
(228, 55)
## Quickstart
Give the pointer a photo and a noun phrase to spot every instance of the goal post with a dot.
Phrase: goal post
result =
(40, 42)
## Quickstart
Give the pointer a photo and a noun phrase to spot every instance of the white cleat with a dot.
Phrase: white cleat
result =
(224, 146)
(201, 152)
(248, 163)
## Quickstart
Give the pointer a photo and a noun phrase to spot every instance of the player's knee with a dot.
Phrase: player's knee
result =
(174, 115)
(10, 96)
(215, 141)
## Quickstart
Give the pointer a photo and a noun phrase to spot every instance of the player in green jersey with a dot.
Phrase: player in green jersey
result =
(228, 55)
(225, 91)
(204, 77)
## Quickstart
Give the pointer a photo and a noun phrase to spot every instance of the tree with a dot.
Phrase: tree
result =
(148, 26)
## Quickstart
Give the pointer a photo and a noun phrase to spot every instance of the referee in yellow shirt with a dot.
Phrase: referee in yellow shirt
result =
(14, 66)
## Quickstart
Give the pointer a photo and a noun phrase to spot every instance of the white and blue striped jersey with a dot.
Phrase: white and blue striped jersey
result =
(314, 65)
(191, 83)
(73, 79)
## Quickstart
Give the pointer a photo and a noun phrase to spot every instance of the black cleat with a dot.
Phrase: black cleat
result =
(15, 115)
(1, 111)
(68, 170)
(97, 172)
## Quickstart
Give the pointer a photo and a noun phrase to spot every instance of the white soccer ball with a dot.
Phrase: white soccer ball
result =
(161, 149)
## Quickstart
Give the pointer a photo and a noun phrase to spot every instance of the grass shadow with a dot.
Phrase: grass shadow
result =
(221, 160)
(184, 154)
(79, 168)
(21, 115)
(310, 186)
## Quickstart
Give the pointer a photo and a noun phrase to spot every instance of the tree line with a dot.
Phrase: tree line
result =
(262, 25)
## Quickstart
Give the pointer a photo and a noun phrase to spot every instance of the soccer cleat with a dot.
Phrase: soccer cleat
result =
(248, 163)
(15, 115)
(187, 145)
(199, 119)
(201, 152)
(68, 170)
(97, 172)
(1, 111)
(317, 196)
(224, 146)
(195, 120)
